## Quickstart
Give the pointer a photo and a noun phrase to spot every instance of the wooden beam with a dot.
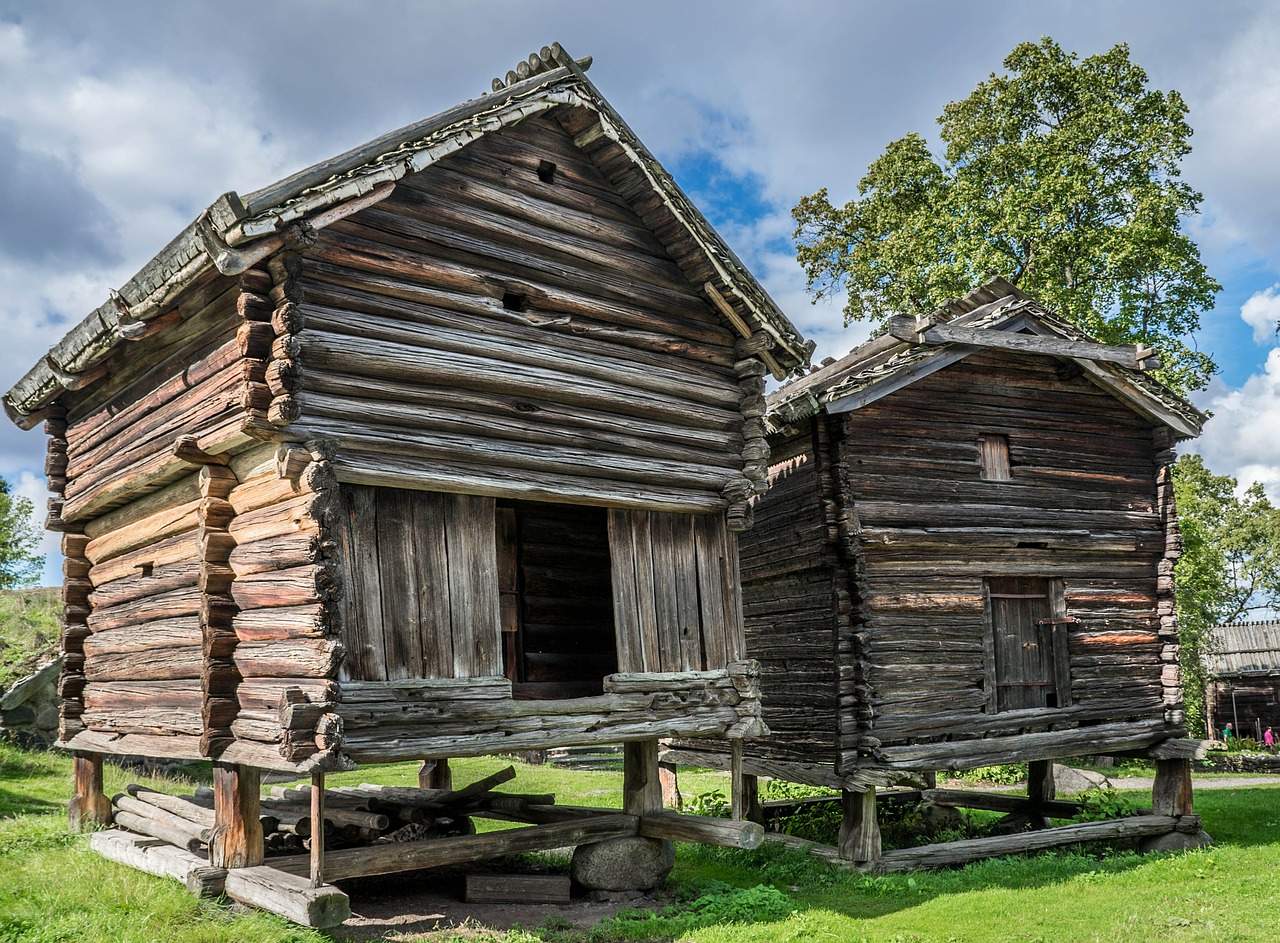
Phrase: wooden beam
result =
(350, 863)
(289, 895)
(703, 830)
(641, 787)
(997, 802)
(89, 806)
(741, 326)
(975, 849)
(317, 829)
(236, 841)
(1133, 356)
(1171, 791)
(859, 829)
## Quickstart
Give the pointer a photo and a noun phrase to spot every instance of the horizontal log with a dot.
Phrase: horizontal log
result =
(187, 837)
(975, 849)
(154, 856)
(303, 585)
(275, 553)
(995, 802)
(432, 689)
(182, 806)
(142, 584)
(162, 664)
(309, 621)
(288, 658)
(180, 549)
(289, 895)
(149, 530)
(345, 864)
(702, 829)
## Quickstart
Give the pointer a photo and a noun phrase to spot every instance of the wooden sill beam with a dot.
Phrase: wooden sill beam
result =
(1133, 356)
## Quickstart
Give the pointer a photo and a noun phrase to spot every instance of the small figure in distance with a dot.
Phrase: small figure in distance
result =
(1227, 733)
(1268, 739)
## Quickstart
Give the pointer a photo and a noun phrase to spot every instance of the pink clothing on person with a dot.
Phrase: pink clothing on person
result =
(1268, 738)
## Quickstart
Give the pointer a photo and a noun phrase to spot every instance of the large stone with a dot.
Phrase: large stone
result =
(1067, 781)
(47, 718)
(18, 716)
(623, 864)
(1175, 841)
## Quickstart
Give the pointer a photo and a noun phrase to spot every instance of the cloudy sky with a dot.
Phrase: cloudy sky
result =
(120, 123)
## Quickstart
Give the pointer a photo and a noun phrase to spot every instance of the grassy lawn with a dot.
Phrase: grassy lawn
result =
(52, 888)
(29, 630)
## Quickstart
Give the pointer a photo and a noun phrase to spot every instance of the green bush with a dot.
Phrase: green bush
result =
(1006, 775)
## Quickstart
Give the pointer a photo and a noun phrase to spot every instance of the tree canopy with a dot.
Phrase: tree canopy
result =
(1230, 564)
(20, 565)
(1063, 176)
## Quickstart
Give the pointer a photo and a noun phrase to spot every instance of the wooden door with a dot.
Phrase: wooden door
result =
(1022, 629)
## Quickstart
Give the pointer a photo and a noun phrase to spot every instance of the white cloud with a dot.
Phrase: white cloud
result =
(1262, 313)
(1243, 437)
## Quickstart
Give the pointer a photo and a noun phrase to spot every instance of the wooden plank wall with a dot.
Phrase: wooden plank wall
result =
(1256, 699)
(489, 331)
(676, 591)
(422, 599)
(789, 600)
(1080, 506)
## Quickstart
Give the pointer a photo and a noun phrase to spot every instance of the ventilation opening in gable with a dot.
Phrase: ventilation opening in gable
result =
(547, 171)
(515, 300)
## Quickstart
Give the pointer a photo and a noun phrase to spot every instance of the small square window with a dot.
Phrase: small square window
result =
(993, 457)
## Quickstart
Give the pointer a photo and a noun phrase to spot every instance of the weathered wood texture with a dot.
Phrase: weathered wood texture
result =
(520, 338)
(423, 596)
(791, 600)
(187, 378)
(398, 720)
(912, 555)
(676, 595)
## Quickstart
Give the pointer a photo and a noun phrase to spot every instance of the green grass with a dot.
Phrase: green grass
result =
(29, 630)
(52, 888)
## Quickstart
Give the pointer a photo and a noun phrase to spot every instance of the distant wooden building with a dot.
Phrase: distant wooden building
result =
(1243, 671)
(965, 556)
(437, 448)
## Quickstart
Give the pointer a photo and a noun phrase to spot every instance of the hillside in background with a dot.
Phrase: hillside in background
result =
(29, 630)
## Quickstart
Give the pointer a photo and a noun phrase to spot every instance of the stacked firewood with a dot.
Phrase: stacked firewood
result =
(353, 816)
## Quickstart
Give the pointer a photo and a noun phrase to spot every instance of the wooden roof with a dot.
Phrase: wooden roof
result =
(237, 231)
(1244, 649)
(995, 315)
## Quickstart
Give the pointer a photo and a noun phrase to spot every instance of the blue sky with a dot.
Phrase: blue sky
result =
(120, 123)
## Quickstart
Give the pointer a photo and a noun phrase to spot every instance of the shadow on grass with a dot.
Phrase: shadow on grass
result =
(16, 803)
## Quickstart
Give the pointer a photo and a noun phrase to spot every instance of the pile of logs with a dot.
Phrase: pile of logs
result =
(353, 816)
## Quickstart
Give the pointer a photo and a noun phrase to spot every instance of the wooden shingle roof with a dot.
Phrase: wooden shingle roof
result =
(1244, 649)
(997, 314)
(237, 231)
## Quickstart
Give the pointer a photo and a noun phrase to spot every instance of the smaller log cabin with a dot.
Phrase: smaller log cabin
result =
(965, 557)
(438, 448)
(1242, 687)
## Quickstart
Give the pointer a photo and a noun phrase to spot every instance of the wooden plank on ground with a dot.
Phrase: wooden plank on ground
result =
(516, 889)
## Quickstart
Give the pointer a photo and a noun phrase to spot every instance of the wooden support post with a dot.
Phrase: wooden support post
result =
(1040, 788)
(752, 810)
(236, 841)
(859, 828)
(1040, 785)
(317, 829)
(89, 805)
(641, 788)
(671, 798)
(736, 798)
(1171, 791)
(435, 774)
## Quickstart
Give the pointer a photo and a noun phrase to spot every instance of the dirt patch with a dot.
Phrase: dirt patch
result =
(429, 903)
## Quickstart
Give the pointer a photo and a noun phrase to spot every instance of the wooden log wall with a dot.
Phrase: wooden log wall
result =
(1166, 603)
(144, 656)
(398, 720)
(184, 375)
(1081, 506)
(285, 590)
(676, 591)
(1245, 703)
(791, 600)
(504, 324)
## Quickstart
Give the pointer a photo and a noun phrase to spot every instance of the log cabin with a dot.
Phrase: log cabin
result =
(1242, 687)
(438, 448)
(965, 558)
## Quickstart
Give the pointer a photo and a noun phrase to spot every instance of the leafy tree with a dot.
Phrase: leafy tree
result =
(1063, 176)
(1230, 564)
(20, 565)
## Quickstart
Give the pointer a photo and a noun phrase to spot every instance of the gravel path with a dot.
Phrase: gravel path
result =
(1202, 782)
